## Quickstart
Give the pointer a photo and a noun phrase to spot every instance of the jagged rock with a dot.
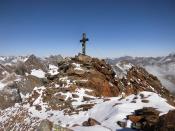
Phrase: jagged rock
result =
(51, 77)
(83, 58)
(91, 122)
(45, 125)
(27, 84)
(74, 125)
(20, 69)
(38, 107)
(3, 71)
(9, 96)
(166, 122)
(148, 119)
(54, 59)
(145, 101)
(72, 71)
(144, 119)
(98, 82)
(135, 118)
(34, 63)
(85, 107)
(85, 98)
(121, 124)
(138, 79)
(75, 96)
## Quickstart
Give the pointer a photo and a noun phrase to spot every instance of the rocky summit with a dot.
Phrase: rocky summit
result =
(81, 93)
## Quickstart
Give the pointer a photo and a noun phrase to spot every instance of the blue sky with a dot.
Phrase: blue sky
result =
(114, 27)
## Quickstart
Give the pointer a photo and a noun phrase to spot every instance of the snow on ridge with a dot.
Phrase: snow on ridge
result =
(38, 73)
(2, 85)
(77, 66)
(106, 112)
(53, 70)
(2, 58)
(121, 69)
(124, 66)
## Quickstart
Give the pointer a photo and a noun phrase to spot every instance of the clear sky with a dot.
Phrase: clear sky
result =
(114, 27)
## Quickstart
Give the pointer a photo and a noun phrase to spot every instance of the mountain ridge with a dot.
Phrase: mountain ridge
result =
(77, 93)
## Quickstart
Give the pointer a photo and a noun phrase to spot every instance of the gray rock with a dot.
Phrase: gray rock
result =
(45, 125)
(9, 96)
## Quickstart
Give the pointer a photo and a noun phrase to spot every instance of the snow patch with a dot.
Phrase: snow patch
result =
(77, 66)
(124, 67)
(2, 58)
(2, 85)
(38, 73)
(53, 70)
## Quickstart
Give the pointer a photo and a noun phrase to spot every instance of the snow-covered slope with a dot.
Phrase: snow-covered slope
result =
(107, 111)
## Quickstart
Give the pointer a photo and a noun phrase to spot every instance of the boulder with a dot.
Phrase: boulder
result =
(85, 98)
(144, 119)
(9, 96)
(122, 124)
(72, 71)
(34, 63)
(85, 107)
(166, 122)
(135, 118)
(145, 101)
(45, 125)
(28, 83)
(84, 58)
(91, 122)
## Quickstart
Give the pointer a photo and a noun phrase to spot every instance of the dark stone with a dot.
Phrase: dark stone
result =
(91, 122)
(145, 101)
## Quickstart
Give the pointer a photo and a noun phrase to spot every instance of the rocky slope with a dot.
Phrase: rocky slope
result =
(162, 67)
(79, 93)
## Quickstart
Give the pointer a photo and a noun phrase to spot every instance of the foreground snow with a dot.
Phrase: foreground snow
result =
(106, 112)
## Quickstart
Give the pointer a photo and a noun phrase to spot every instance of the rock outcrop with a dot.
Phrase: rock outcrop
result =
(91, 122)
(166, 122)
(9, 96)
(34, 63)
(148, 119)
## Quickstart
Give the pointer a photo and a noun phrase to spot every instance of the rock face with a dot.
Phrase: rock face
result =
(84, 58)
(98, 75)
(45, 125)
(166, 122)
(9, 96)
(2, 72)
(34, 63)
(148, 119)
(54, 59)
(162, 67)
(27, 84)
(138, 79)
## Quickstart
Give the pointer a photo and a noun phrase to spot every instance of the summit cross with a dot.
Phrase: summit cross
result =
(83, 41)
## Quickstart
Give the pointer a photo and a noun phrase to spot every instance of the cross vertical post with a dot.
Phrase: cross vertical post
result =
(83, 41)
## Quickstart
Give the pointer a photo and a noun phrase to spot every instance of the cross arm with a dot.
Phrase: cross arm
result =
(84, 40)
